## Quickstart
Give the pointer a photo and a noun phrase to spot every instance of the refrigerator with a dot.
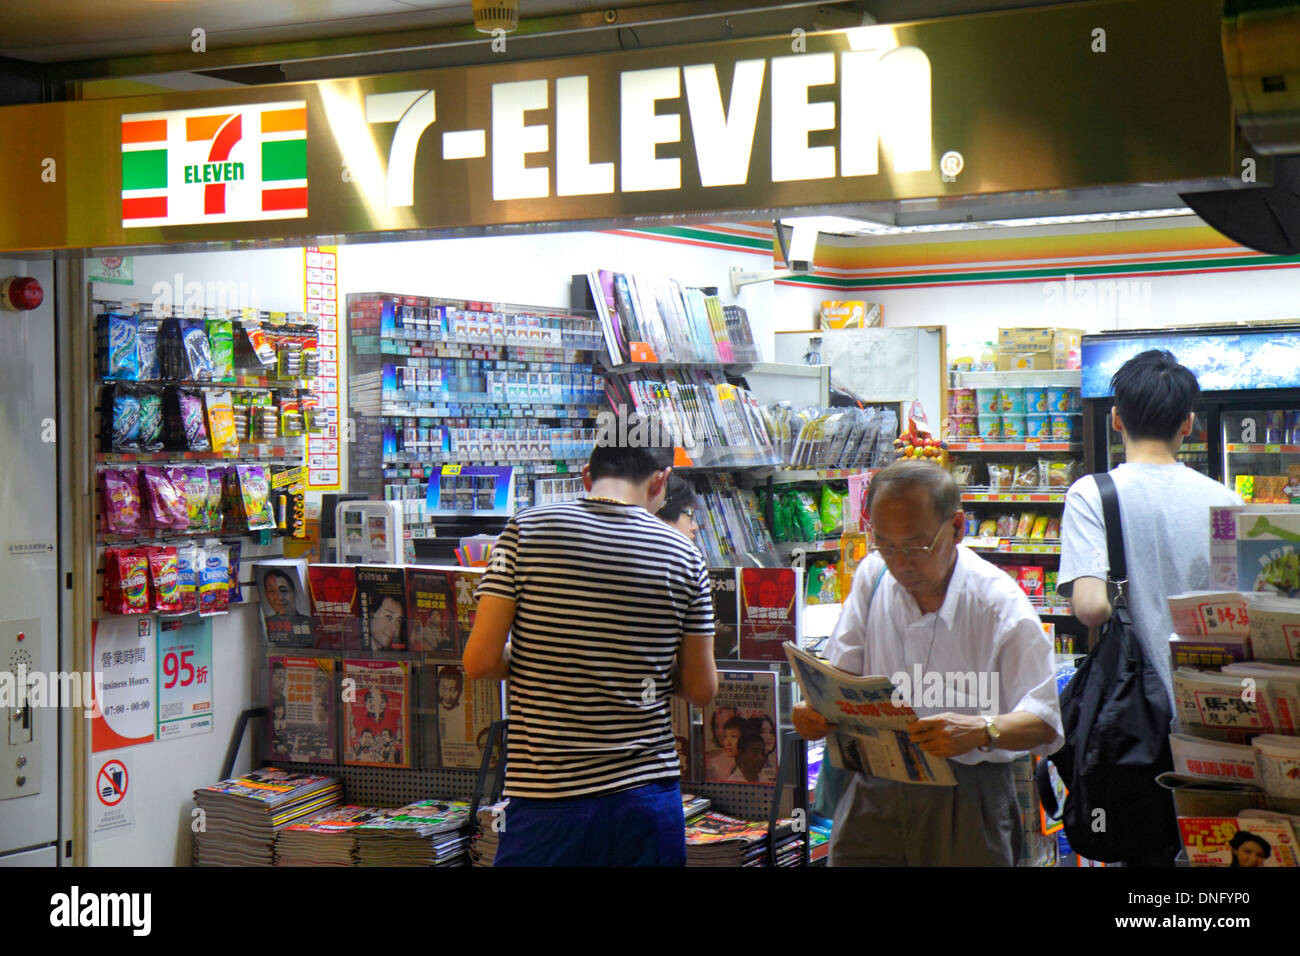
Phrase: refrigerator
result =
(1247, 424)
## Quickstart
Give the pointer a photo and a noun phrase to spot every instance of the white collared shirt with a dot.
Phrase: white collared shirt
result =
(985, 637)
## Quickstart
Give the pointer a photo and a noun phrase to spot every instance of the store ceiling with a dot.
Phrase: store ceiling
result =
(60, 31)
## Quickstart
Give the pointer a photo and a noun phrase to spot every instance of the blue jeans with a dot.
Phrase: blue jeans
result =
(638, 827)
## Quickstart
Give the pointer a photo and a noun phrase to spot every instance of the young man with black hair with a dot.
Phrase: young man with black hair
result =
(597, 612)
(1164, 509)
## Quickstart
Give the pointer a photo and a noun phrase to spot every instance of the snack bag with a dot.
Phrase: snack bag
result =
(1026, 477)
(147, 350)
(126, 581)
(122, 408)
(255, 496)
(1053, 529)
(121, 359)
(122, 509)
(221, 340)
(150, 437)
(221, 420)
(214, 581)
(1006, 526)
(234, 548)
(198, 351)
(189, 558)
(1026, 524)
(832, 510)
(988, 528)
(1000, 477)
(1040, 528)
(164, 504)
(186, 429)
(192, 480)
(164, 580)
(807, 520)
(215, 511)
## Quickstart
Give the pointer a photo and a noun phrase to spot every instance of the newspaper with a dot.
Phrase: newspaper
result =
(869, 735)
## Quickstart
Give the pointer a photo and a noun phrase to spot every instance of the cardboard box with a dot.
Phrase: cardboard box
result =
(1050, 348)
(1021, 361)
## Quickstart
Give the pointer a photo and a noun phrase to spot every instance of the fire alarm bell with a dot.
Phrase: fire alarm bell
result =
(20, 294)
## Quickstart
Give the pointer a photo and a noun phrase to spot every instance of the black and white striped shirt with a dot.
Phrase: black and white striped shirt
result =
(603, 595)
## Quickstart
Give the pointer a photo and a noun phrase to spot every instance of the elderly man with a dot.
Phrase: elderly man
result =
(957, 616)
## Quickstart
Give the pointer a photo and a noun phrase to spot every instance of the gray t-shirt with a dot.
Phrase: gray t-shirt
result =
(1165, 510)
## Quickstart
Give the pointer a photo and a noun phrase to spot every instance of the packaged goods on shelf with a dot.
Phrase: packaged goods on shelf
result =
(815, 437)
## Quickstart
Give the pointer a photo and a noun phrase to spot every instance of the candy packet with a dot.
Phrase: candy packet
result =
(126, 581)
(192, 480)
(235, 548)
(187, 430)
(198, 351)
(221, 420)
(221, 340)
(122, 509)
(189, 558)
(164, 502)
(164, 580)
(216, 492)
(151, 437)
(255, 496)
(147, 351)
(118, 346)
(121, 412)
(214, 580)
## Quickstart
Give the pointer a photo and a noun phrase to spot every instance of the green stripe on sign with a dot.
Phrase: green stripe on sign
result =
(144, 169)
(284, 159)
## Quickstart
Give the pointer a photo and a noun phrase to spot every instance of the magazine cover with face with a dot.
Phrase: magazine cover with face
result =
(382, 592)
(301, 707)
(377, 725)
(336, 613)
(466, 712)
(286, 611)
(430, 613)
(768, 608)
(740, 738)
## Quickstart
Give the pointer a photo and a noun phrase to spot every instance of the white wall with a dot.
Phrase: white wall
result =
(537, 270)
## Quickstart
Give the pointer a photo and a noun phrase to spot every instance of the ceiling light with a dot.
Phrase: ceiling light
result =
(840, 225)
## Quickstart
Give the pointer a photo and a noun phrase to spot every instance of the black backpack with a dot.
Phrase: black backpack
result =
(1115, 713)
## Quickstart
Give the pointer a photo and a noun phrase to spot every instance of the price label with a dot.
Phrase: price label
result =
(1020, 497)
(1272, 449)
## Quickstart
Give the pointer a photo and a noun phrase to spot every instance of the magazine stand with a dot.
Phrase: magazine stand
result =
(496, 738)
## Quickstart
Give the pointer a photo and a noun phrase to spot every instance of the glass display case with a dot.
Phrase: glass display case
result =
(1261, 454)
(1194, 452)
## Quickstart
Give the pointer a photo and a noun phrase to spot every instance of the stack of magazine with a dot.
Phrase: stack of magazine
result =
(487, 833)
(426, 833)
(715, 839)
(242, 816)
(327, 838)
(730, 522)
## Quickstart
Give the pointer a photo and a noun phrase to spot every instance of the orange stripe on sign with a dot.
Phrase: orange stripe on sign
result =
(144, 131)
(282, 121)
(203, 127)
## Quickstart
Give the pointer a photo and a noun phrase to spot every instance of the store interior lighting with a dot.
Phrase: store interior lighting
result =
(844, 226)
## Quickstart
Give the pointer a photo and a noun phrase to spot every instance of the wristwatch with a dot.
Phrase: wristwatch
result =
(994, 735)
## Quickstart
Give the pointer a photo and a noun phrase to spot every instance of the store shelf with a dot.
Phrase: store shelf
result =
(786, 547)
(1052, 610)
(735, 368)
(996, 446)
(1186, 448)
(280, 450)
(1239, 449)
(1012, 546)
(485, 410)
(1026, 378)
(789, 476)
(424, 341)
(1033, 496)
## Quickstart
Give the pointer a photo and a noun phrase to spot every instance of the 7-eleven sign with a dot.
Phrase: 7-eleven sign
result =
(214, 165)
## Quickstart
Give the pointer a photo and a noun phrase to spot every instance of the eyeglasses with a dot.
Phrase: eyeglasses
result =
(688, 513)
(910, 554)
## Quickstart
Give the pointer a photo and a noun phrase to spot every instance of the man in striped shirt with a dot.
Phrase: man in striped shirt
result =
(597, 612)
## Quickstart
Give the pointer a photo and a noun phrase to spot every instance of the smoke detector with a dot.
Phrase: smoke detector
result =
(493, 15)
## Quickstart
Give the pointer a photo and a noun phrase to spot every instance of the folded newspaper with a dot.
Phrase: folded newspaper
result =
(869, 733)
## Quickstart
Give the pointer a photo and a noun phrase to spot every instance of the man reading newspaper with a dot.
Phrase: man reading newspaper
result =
(942, 625)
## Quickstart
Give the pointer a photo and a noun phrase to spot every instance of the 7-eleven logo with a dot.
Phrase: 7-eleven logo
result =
(214, 165)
